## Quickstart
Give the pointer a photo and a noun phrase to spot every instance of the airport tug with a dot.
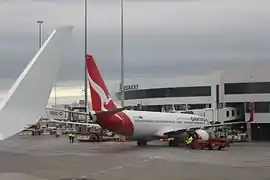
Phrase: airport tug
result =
(202, 140)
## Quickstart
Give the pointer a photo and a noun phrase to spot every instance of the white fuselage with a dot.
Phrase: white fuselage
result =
(148, 124)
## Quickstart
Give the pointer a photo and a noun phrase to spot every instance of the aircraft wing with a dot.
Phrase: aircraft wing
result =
(219, 125)
(29, 95)
(170, 130)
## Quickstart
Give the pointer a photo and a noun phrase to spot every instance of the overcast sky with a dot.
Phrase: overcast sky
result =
(161, 37)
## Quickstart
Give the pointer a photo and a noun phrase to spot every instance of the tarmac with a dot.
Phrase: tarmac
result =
(50, 158)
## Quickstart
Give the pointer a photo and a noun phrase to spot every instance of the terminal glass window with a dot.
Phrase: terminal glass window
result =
(232, 112)
(153, 108)
(227, 113)
(199, 106)
(217, 95)
(260, 107)
(247, 88)
(169, 92)
(238, 112)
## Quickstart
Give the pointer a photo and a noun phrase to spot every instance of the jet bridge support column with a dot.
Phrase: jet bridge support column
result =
(248, 125)
(249, 131)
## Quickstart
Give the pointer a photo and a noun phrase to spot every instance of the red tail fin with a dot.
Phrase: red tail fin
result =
(100, 96)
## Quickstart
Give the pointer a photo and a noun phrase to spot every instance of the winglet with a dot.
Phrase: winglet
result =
(29, 95)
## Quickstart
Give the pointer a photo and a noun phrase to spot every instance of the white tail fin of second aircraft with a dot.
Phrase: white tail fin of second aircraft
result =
(29, 95)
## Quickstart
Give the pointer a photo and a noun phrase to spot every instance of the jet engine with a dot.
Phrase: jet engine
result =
(202, 134)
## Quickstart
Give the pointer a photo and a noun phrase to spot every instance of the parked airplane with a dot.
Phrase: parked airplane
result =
(140, 125)
(29, 95)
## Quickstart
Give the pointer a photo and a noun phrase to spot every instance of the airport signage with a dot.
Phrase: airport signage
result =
(131, 87)
(57, 114)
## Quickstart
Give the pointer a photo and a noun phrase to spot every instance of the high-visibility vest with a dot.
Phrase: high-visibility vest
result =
(189, 140)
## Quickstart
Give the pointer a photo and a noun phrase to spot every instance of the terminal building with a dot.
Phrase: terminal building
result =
(238, 87)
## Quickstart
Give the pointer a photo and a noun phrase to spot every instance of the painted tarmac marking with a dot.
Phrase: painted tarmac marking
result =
(66, 154)
(123, 166)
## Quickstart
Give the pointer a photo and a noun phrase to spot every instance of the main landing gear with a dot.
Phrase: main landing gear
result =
(174, 142)
(141, 142)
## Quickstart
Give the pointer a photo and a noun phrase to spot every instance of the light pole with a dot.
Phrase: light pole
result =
(85, 54)
(40, 32)
(122, 55)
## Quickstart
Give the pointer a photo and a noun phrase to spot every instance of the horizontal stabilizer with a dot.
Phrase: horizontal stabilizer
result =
(29, 95)
(102, 114)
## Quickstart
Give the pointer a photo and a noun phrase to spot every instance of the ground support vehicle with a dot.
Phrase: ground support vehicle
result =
(211, 144)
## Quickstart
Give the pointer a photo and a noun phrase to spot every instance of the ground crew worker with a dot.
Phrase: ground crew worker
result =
(70, 137)
(189, 140)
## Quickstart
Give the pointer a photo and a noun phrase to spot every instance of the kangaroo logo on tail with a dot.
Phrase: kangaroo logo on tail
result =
(104, 98)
